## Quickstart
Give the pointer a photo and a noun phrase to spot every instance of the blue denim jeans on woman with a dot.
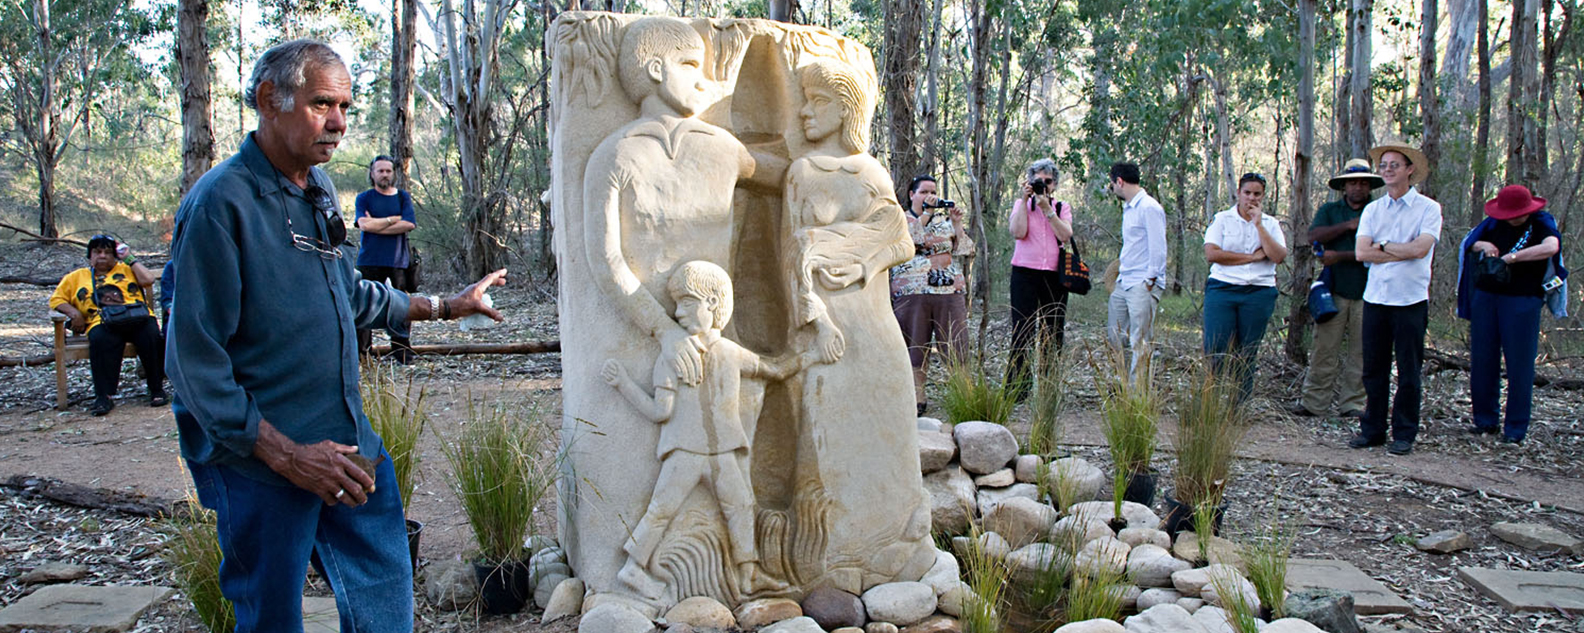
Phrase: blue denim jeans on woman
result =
(268, 532)
(1235, 316)
(1503, 327)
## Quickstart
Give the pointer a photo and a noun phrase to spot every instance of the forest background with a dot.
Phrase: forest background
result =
(112, 108)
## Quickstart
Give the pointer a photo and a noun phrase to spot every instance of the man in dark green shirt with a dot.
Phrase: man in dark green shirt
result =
(1335, 377)
(263, 354)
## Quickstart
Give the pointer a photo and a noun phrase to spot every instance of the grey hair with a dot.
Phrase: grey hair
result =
(285, 66)
(1044, 165)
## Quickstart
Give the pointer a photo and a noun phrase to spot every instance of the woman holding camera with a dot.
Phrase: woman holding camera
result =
(1502, 286)
(928, 291)
(1041, 226)
(1243, 246)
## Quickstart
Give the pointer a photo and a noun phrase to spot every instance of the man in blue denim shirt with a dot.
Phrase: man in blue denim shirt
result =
(263, 354)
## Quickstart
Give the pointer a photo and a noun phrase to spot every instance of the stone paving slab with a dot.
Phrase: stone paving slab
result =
(321, 616)
(1369, 596)
(81, 608)
(1528, 590)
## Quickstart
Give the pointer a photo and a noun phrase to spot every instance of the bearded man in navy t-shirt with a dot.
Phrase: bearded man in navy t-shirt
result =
(385, 215)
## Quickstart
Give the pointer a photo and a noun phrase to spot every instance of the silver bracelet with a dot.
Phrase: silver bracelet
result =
(434, 307)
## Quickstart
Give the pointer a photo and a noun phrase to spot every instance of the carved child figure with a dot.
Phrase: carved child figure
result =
(702, 437)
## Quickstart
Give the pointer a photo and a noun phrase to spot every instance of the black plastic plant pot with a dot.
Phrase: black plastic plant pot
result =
(414, 533)
(503, 589)
(1180, 517)
(1141, 487)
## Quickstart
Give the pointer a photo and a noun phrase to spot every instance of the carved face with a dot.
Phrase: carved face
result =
(683, 85)
(821, 113)
(694, 314)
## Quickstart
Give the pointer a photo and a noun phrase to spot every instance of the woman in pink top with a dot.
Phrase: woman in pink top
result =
(1040, 225)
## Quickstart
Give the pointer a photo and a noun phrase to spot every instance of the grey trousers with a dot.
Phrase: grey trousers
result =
(1335, 382)
(1130, 321)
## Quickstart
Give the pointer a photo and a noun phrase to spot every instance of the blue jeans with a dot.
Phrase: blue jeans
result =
(267, 534)
(1503, 326)
(1234, 323)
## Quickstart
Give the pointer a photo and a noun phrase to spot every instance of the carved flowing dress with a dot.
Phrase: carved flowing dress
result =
(857, 413)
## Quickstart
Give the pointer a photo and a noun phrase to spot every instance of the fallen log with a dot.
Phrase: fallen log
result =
(527, 347)
(94, 498)
(32, 281)
(1444, 361)
(35, 237)
(27, 361)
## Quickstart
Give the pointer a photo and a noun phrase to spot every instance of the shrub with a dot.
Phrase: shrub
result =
(398, 416)
(192, 549)
(500, 473)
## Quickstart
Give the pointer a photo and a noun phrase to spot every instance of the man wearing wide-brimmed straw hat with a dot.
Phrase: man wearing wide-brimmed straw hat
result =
(1335, 382)
(1397, 234)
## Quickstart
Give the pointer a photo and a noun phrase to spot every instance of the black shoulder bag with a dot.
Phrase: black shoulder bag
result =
(1072, 272)
(122, 314)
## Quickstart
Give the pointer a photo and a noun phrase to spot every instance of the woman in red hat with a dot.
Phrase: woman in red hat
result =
(1507, 259)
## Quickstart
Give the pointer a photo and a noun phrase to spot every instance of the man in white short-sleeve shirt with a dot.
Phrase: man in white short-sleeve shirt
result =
(1397, 235)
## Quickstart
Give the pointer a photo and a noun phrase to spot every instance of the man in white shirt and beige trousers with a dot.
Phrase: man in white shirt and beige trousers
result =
(1397, 235)
(1141, 270)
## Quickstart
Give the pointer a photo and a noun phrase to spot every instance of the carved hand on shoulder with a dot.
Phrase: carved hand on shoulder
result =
(686, 354)
(613, 373)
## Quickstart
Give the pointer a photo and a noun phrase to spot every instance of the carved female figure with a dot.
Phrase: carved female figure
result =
(847, 230)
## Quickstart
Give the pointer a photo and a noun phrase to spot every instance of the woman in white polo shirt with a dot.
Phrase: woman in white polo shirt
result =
(1243, 245)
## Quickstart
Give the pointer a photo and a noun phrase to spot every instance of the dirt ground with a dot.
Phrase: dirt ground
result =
(1361, 506)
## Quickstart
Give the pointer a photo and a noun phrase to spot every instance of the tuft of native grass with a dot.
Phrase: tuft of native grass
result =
(969, 393)
(398, 415)
(502, 467)
(192, 549)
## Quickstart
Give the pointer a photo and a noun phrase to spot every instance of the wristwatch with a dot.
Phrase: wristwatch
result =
(434, 307)
(1381, 245)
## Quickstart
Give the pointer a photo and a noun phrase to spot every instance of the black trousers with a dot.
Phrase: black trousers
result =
(105, 345)
(1039, 315)
(1393, 331)
(399, 279)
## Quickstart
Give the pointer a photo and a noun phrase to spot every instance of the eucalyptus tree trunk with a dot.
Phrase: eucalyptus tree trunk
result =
(46, 133)
(1303, 174)
(1189, 89)
(1211, 191)
(192, 50)
(1553, 43)
(1342, 99)
(930, 114)
(979, 25)
(1224, 135)
(903, 21)
(1462, 24)
(1483, 124)
(782, 10)
(1521, 94)
(1429, 108)
(1361, 104)
(404, 31)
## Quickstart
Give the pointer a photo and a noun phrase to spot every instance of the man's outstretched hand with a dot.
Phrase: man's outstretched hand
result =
(471, 299)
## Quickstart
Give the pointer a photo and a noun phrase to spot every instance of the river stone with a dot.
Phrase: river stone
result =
(1089, 478)
(984, 447)
(845, 629)
(956, 600)
(1329, 609)
(1073, 531)
(756, 613)
(989, 498)
(1136, 515)
(1026, 468)
(880, 627)
(1222, 551)
(1213, 620)
(803, 624)
(993, 545)
(53, 571)
(1212, 592)
(935, 624)
(1152, 566)
(998, 479)
(1157, 596)
(544, 590)
(1031, 561)
(1144, 536)
(1162, 618)
(451, 585)
(944, 574)
(613, 617)
(1104, 555)
(1444, 542)
(1539, 538)
(951, 500)
(701, 612)
(1191, 582)
(929, 424)
(1290, 625)
(936, 450)
(1190, 604)
(1130, 596)
(833, 608)
(900, 603)
(1020, 521)
(1097, 625)
(567, 599)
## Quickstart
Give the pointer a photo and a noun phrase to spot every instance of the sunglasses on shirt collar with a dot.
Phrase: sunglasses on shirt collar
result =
(324, 204)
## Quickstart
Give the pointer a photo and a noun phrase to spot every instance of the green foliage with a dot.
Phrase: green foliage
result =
(1130, 417)
(500, 473)
(970, 394)
(1240, 614)
(1047, 399)
(1265, 555)
(192, 549)
(399, 417)
(988, 577)
(1094, 593)
(1210, 424)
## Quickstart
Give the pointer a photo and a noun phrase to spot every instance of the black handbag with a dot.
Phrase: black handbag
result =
(1495, 271)
(1072, 272)
(120, 314)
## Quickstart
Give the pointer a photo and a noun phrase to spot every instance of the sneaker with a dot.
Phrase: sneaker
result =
(158, 399)
(1400, 447)
(1298, 409)
(1356, 414)
(1483, 430)
(1361, 441)
(101, 406)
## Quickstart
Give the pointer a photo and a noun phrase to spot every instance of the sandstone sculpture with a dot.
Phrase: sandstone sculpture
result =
(751, 441)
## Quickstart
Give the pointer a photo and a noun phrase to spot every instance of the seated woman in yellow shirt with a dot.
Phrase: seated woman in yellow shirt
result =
(109, 281)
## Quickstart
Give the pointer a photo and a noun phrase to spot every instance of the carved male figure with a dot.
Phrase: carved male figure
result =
(702, 434)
